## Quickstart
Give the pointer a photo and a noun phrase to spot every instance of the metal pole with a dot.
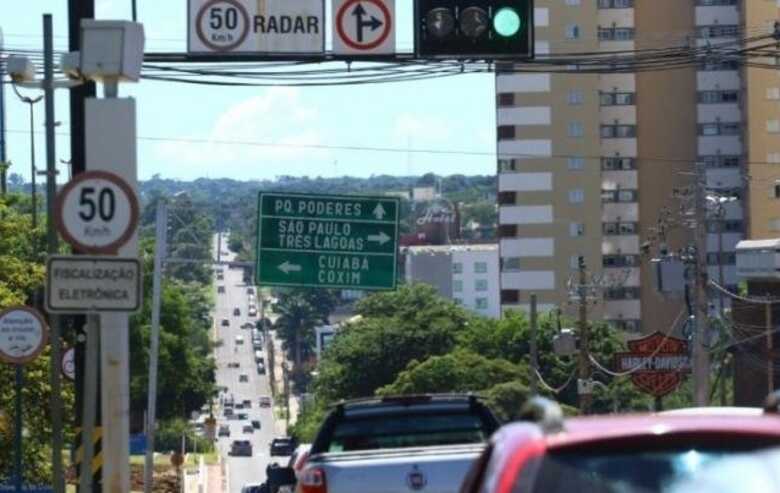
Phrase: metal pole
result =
(32, 166)
(18, 469)
(721, 277)
(3, 153)
(135, 11)
(584, 387)
(534, 350)
(90, 397)
(701, 357)
(151, 407)
(51, 235)
(770, 364)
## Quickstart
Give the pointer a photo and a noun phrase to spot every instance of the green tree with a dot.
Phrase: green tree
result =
(300, 311)
(411, 323)
(458, 371)
(21, 276)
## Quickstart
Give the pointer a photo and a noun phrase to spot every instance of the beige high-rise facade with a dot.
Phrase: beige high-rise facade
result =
(588, 161)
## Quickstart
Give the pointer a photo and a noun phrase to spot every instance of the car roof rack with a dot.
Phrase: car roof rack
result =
(545, 412)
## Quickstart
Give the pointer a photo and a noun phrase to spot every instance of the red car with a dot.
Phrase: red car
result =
(605, 454)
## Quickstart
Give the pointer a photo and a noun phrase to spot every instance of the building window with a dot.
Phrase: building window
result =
(720, 161)
(480, 267)
(574, 262)
(773, 93)
(481, 285)
(506, 165)
(718, 31)
(510, 296)
(572, 3)
(481, 304)
(618, 228)
(457, 268)
(616, 4)
(773, 126)
(616, 98)
(506, 132)
(726, 258)
(576, 163)
(715, 3)
(616, 33)
(507, 231)
(773, 158)
(576, 196)
(509, 264)
(776, 190)
(719, 128)
(715, 66)
(618, 163)
(506, 99)
(622, 293)
(617, 131)
(457, 286)
(718, 97)
(507, 198)
(576, 229)
(576, 129)
(620, 260)
(572, 31)
(622, 195)
(576, 97)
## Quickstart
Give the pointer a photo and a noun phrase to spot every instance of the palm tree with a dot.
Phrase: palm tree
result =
(297, 319)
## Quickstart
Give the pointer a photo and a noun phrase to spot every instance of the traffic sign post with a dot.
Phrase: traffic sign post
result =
(363, 27)
(220, 27)
(81, 284)
(68, 365)
(22, 337)
(97, 212)
(327, 241)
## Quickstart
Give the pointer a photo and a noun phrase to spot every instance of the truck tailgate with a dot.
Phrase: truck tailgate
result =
(428, 469)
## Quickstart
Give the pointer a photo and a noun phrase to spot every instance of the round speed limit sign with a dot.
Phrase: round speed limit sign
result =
(222, 25)
(96, 212)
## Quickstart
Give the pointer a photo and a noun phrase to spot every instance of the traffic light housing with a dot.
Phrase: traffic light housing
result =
(474, 29)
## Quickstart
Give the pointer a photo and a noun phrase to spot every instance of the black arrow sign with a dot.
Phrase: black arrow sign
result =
(359, 12)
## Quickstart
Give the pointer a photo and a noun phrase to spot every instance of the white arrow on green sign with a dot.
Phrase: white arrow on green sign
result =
(328, 241)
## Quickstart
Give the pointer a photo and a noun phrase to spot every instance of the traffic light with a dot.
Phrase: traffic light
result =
(487, 29)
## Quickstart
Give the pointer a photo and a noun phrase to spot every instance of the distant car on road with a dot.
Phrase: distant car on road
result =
(221, 289)
(225, 322)
(236, 312)
(234, 364)
(248, 326)
(248, 429)
(261, 369)
(243, 416)
(250, 290)
(247, 404)
(254, 488)
(259, 357)
(256, 424)
(224, 431)
(239, 405)
(241, 447)
(239, 339)
(243, 377)
(283, 446)
(228, 412)
(253, 312)
(264, 401)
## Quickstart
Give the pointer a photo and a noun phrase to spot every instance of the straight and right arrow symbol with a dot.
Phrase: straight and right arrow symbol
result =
(379, 212)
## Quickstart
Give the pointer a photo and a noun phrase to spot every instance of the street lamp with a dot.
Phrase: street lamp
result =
(718, 202)
(31, 102)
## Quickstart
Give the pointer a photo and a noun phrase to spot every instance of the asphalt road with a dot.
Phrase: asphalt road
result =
(241, 470)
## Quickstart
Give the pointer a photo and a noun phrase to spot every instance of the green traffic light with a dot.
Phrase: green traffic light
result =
(507, 22)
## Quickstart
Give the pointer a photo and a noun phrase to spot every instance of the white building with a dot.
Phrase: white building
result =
(467, 274)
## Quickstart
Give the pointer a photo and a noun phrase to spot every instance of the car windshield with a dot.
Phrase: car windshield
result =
(625, 471)
(406, 431)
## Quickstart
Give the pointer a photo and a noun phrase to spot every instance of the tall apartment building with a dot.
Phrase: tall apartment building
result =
(586, 162)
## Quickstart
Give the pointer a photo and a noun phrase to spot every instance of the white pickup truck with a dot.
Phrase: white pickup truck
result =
(402, 444)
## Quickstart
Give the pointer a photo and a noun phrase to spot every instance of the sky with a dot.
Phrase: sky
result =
(452, 114)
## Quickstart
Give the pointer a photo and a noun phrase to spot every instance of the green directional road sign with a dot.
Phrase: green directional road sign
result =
(327, 241)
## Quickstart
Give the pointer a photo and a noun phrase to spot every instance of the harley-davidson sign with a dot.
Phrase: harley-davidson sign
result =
(657, 362)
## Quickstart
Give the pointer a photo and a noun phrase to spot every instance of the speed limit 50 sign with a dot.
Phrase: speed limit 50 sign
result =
(222, 27)
(97, 212)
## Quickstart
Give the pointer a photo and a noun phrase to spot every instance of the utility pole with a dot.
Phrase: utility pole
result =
(154, 350)
(770, 363)
(52, 247)
(3, 153)
(584, 387)
(701, 356)
(534, 349)
(78, 10)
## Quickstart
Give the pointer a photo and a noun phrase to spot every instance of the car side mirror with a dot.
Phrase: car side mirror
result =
(280, 476)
